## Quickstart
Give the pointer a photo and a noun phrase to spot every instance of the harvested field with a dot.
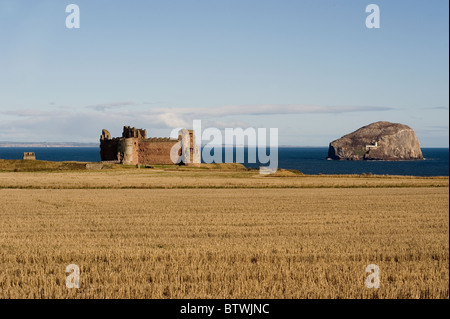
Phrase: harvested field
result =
(241, 235)
(202, 178)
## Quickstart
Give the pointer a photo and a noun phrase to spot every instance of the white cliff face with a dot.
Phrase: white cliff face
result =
(378, 141)
(402, 145)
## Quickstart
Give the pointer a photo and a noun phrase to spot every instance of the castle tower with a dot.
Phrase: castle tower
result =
(127, 149)
(190, 152)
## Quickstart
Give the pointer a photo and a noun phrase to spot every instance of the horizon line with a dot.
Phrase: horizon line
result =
(4, 144)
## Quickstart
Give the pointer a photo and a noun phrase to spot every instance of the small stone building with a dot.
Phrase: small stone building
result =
(135, 148)
(29, 156)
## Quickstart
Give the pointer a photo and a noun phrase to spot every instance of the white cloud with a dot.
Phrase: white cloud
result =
(172, 119)
(69, 124)
(264, 109)
(109, 106)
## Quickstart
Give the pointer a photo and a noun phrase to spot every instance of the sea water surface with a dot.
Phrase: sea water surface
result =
(309, 160)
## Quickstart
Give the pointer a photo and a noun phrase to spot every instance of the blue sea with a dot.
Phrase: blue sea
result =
(305, 159)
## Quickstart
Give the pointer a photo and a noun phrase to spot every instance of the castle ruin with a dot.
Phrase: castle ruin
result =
(135, 148)
(29, 156)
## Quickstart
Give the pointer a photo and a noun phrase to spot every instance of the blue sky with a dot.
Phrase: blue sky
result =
(309, 68)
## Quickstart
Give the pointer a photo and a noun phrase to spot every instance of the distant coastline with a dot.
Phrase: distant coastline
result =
(76, 144)
(45, 144)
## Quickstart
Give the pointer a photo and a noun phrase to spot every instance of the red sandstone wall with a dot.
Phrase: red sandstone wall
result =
(144, 151)
(151, 152)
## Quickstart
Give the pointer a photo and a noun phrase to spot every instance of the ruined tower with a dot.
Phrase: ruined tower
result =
(190, 153)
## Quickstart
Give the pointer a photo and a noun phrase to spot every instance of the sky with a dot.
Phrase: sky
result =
(310, 68)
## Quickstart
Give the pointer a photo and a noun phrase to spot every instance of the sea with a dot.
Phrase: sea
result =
(308, 160)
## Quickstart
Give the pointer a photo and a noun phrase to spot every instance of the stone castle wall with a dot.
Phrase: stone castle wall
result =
(134, 148)
(155, 152)
(29, 156)
(109, 150)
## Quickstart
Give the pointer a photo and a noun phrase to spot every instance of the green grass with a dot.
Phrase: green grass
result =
(47, 166)
(36, 166)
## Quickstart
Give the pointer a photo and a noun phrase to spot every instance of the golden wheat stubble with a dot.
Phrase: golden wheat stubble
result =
(224, 243)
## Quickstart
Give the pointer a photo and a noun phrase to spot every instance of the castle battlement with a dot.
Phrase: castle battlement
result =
(132, 132)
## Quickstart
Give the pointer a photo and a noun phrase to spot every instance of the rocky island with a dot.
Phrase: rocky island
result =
(377, 141)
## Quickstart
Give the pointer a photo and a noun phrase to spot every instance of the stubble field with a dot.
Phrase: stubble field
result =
(222, 235)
